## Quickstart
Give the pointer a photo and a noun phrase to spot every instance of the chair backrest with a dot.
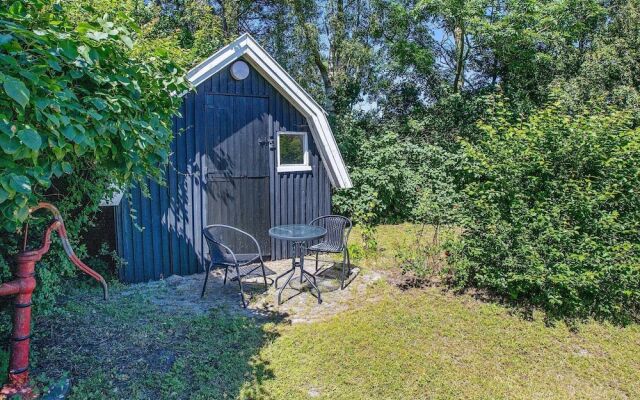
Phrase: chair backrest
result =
(224, 241)
(219, 252)
(338, 228)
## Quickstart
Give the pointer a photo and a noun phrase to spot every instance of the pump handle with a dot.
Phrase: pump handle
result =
(58, 226)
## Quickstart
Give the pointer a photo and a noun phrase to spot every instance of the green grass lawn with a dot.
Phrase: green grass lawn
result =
(392, 344)
(428, 344)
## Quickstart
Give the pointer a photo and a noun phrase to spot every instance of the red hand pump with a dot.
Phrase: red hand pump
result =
(22, 288)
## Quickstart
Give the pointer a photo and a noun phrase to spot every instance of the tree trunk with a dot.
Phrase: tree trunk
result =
(324, 74)
(314, 48)
(458, 35)
(228, 17)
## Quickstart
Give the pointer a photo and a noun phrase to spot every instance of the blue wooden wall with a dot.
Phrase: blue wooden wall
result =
(164, 235)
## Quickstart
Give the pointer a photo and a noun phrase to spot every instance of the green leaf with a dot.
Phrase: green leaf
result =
(54, 120)
(66, 167)
(127, 41)
(97, 35)
(84, 52)
(94, 115)
(42, 103)
(17, 9)
(75, 74)
(68, 49)
(22, 213)
(69, 132)
(8, 60)
(3, 195)
(30, 76)
(30, 138)
(56, 169)
(4, 39)
(55, 65)
(16, 90)
(99, 103)
(9, 145)
(20, 183)
(83, 27)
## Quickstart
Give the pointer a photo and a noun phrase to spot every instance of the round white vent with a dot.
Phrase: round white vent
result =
(239, 70)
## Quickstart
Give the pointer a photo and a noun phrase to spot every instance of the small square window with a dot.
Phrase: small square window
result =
(293, 152)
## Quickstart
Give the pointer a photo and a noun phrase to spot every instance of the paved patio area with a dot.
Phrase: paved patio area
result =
(182, 294)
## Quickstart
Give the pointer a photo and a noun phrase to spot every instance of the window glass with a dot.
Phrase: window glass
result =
(291, 149)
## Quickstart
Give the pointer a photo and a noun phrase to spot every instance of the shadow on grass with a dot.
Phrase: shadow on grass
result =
(132, 348)
(328, 279)
(332, 275)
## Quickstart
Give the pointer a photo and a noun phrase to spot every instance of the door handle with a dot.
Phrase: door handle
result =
(263, 140)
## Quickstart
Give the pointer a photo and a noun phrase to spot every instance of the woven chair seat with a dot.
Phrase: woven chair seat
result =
(326, 247)
(248, 271)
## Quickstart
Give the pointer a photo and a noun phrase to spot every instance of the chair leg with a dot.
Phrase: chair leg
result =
(226, 269)
(244, 304)
(264, 275)
(317, 252)
(343, 278)
(206, 279)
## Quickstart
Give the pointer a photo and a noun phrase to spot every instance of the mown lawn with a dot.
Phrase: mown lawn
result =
(427, 344)
(393, 344)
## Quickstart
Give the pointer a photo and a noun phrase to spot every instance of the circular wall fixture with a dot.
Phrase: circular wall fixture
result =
(239, 70)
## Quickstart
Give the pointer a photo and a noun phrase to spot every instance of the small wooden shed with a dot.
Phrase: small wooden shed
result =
(252, 149)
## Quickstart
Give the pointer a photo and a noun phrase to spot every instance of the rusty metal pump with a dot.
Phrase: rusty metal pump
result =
(22, 288)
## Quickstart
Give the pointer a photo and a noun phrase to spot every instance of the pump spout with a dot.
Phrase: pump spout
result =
(9, 289)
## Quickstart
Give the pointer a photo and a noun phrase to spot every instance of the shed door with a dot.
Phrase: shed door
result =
(237, 133)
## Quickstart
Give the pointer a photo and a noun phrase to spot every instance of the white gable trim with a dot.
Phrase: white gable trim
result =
(316, 117)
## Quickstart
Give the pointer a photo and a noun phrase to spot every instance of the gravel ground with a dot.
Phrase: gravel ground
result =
(299, 303)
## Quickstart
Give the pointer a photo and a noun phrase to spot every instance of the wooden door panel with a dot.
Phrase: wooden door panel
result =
(244, 204)
(238, 167)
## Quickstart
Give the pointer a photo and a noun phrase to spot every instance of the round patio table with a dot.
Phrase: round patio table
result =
(297, 235)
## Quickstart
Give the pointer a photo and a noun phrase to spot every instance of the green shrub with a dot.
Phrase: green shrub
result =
(79, 110)
(395, 177)
(552, 213)
(74, 98)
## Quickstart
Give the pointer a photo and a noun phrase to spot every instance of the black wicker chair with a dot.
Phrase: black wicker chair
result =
(242, 265)
(335, 241)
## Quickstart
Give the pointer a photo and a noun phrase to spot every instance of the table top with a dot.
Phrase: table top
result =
(297, 232)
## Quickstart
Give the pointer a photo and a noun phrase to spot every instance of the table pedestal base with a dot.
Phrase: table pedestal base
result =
(299, 249)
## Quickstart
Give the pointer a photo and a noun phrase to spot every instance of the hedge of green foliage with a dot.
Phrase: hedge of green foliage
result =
(79, 111)
(552, 213)
(73, 97)
(395, 177)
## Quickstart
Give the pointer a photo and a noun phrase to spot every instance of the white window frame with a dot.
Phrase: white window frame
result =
(305, 147)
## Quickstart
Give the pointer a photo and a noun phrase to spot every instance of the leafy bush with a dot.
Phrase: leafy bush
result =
(552, 213)
(74, 98)
(423, 260)
(391, 173)
(78, 111)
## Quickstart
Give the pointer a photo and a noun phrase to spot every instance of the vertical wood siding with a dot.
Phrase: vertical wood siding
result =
(164, 237)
